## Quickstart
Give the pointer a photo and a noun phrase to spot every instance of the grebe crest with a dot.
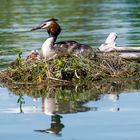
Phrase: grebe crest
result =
(51, 48)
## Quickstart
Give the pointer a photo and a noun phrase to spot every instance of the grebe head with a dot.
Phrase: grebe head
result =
(51, 25)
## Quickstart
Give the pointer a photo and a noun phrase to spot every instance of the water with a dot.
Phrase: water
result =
(110, 116)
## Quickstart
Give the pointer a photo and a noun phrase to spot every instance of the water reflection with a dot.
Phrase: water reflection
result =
(65, 99)
(53, 101)
(55, 127)
(51, 106)
(58, 100)
(113, 96)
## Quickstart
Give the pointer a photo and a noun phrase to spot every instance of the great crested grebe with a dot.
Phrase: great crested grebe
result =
(51, 48)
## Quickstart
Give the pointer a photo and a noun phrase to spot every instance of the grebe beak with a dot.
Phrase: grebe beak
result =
(45, 24)
(37, 28)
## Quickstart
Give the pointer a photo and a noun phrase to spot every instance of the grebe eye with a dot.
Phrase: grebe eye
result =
(44, 24)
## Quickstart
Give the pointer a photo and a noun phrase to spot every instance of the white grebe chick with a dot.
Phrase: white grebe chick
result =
(51, 48)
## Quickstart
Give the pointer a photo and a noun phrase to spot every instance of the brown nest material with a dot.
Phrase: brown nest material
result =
(70, 69)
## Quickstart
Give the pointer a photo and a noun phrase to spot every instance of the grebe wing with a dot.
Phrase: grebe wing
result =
(66, 42)
(70, 43)
(71, 46)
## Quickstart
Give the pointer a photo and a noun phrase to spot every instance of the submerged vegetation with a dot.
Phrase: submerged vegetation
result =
(71, 69)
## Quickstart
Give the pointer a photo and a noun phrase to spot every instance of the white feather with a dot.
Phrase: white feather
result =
(46, 49)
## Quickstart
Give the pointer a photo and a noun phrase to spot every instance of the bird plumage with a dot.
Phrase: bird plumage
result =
(52, 48)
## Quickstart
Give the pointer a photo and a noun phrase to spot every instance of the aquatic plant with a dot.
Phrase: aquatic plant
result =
(21, 101)
(70, 68)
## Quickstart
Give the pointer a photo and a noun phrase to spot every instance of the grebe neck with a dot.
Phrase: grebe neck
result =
(47, 47)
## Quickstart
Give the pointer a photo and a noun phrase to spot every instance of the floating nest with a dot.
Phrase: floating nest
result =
(69, 69)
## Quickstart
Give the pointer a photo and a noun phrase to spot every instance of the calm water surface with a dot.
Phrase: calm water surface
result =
(82, 114)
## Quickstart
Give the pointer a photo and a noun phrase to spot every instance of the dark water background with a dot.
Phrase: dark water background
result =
(113, 116)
